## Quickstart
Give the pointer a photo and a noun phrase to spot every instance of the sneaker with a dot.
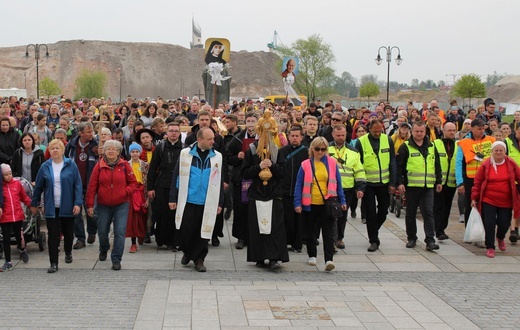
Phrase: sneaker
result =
(329, 265)
(340, 244)
(430, 246)
(133, 248)
(311, 261)
(461, 218)
(79, 245)
(502, 244)
(102, 255)
(6, 267)
(490, 253)
(24, 255)
(68, 258)
(513, 236)
(91, 238)
(116, 265)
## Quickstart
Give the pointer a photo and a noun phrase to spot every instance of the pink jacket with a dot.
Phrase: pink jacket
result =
(480, 183)
(14, 193)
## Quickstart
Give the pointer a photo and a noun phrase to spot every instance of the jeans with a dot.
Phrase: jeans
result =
(79, 224)
(423, 198)
(119, 215)
(495, 217)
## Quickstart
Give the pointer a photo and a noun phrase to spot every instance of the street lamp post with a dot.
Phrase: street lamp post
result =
(37, 58)
(398, 61)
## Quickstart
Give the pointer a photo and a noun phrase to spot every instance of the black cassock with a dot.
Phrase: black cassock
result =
(273, 246)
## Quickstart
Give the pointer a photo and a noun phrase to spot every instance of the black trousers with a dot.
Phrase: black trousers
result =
(165, 232)
(376, 219)
(442, 202)
(293, 223)
(350, 194)
(193, 246)
(314, 220)
(55, 226)
(16, 228)
(423, 198)
(467, 199)
(498, 218)
(240, 210)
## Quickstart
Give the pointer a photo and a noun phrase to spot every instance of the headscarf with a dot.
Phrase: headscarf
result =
(493, 161)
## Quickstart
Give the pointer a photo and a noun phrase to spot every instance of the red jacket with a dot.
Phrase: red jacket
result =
(14, 193)
(480, 183)
(112, 187)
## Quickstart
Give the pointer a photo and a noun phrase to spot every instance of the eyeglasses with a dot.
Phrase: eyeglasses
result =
(320, 149)
(336, 119)
(174, 131)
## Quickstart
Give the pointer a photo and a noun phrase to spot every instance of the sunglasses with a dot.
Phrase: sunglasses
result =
(336, 119)
(321, 149)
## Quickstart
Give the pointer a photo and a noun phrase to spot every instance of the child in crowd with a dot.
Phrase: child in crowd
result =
(12, 216)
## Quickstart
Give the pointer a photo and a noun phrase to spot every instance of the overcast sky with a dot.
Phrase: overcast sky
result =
(436, 38)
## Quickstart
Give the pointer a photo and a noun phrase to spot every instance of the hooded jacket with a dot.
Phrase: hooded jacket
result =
(14, 193)
(36, 162)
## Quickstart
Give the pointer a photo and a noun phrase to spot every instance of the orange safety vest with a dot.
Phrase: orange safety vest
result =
(332, 185)
(470, 148)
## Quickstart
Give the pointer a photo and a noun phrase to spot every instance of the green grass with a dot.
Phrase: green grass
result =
(508, 118)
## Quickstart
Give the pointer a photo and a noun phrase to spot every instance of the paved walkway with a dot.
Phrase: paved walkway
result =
(456, 287)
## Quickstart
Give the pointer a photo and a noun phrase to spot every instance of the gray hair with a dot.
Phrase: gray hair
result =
(60, 131)
(106, 130)
(114, 144)
(83, 125)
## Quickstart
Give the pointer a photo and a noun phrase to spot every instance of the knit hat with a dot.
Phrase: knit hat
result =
(134, 146)
(5, 168)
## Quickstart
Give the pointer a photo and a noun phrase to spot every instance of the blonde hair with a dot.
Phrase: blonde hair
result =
(320, 140)
(56, 142)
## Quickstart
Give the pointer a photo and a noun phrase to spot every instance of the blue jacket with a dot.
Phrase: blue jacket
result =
(71, 189)
(299, 185)
(198, 181)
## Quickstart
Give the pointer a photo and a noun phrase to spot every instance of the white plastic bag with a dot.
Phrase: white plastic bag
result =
(475, 228)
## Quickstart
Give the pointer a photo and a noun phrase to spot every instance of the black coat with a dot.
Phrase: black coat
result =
(37, 161)
(163, 162)
(292, 166)
(9, 142)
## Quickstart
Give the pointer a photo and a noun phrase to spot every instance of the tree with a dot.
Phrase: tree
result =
(469, 86)
(492, 79)
(49, 87)
(368, 89)
(314, 69)
(90, 84)
(415, 83)
(346, 85)
(366, 78)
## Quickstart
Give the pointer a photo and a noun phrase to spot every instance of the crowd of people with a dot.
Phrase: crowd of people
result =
(175, 170)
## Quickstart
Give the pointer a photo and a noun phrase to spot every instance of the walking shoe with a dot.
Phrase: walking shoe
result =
(311, 261)
(79, 245)
(133, 248)
(240, 244)
(215, 241)
(68, 258)
(91, 238)
(373, 247)
(185, 260)
(24, 255)
(116, 265)
(147, 239)
(411, 243)
(329, 265)
(353, 214)
(6, 267)
(513, 236)
(501, 244)
(490, 253)
(364, 221)
(199, 266)
(227, 214)
(443, 237)
(140, 240)
(461, 218)
(430, 246)
(52, 269)
(273, 265)
(340, 244)
(102, 255)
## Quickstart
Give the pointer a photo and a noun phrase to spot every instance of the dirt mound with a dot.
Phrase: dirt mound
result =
(506, 90)
(139, 69)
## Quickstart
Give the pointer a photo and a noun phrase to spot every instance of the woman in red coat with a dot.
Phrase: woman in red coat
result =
(496, 196)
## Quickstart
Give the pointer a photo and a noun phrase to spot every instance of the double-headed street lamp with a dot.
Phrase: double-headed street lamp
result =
(398, 61)
(37, 58)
